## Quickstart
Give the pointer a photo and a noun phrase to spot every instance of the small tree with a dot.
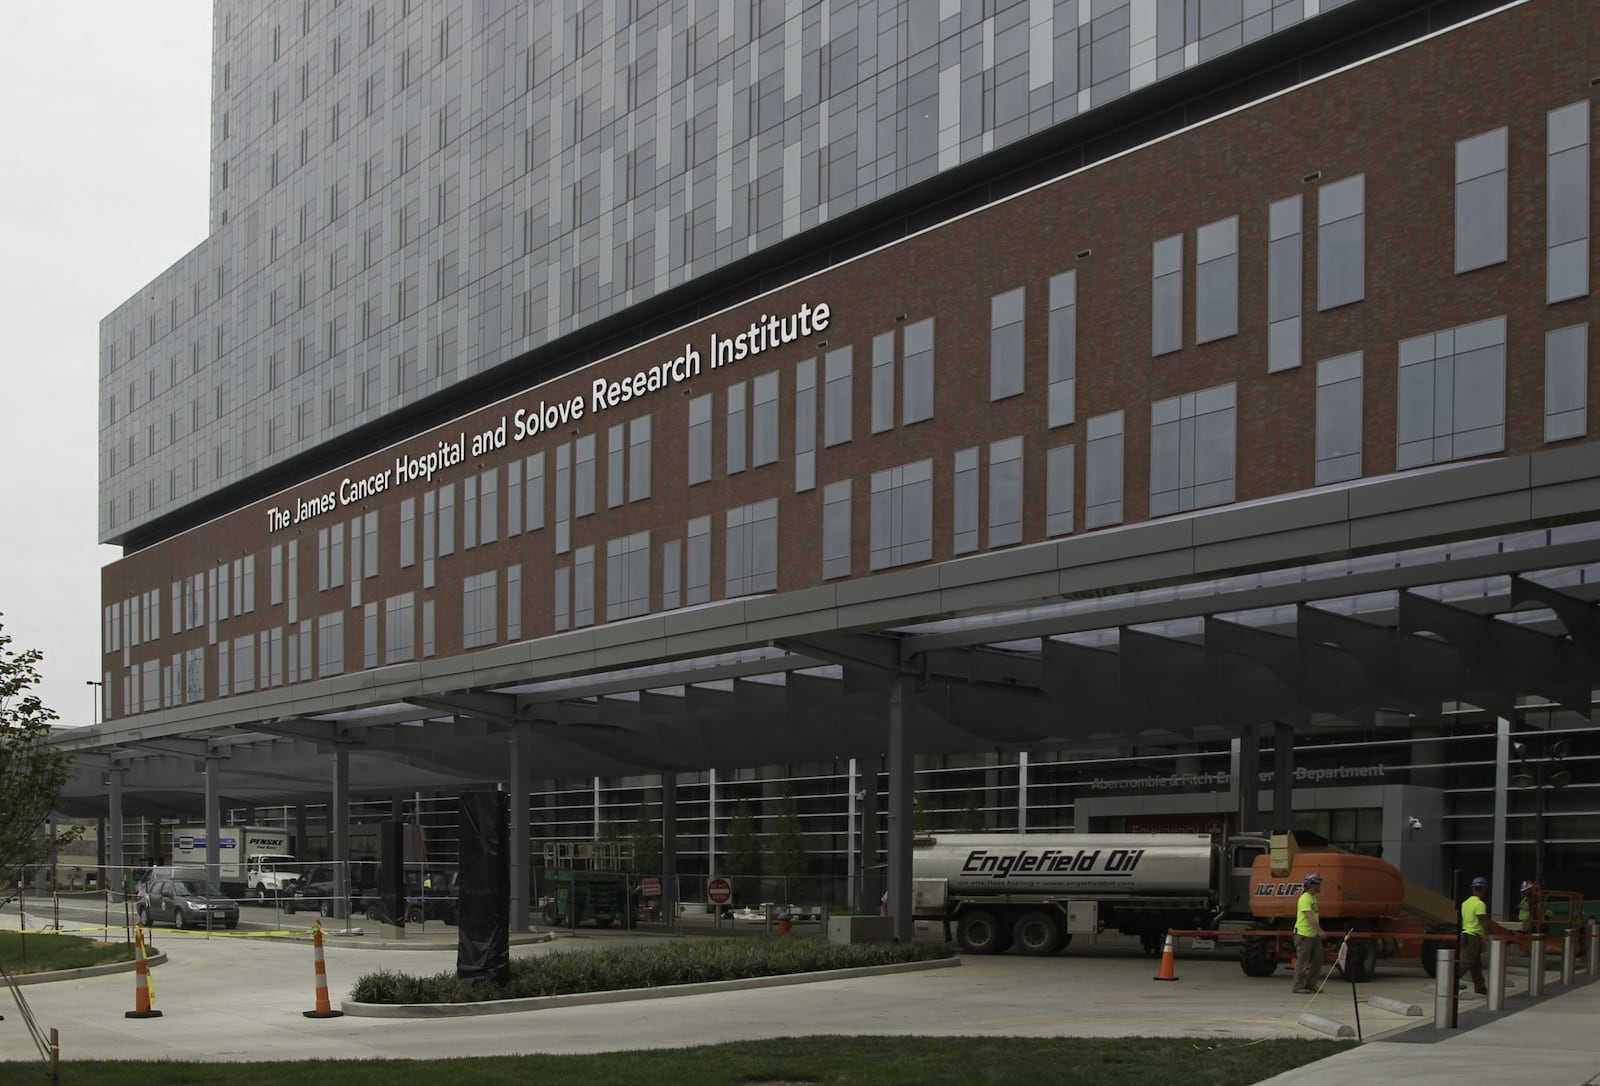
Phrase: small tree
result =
(32, 773)
(646, 844)
(741, 851)
(789, 844)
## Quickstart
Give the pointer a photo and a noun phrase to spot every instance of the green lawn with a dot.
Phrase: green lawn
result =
(39, 952)
(800, 1061)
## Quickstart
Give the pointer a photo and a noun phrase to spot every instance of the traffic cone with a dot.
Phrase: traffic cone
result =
(324, 1008)
(1168, 972)
(141, 981)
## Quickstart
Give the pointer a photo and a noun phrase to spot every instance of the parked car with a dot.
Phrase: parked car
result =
(317, 890)
(188, 903)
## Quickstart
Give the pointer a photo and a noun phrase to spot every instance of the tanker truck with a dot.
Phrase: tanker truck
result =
(1036, 891)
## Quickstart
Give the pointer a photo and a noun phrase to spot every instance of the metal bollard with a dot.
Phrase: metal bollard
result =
(1594, 947)
(1569, 956)
(1497, 974)
(1536, 967)
(1444, 990)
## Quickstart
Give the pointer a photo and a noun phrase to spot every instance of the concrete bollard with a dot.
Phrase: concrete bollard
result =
(1569, 956)
(1444, 990)
(1536, 967)
(1594, 947)
(1327, 1025)
(1394, 1006)
(1497, 974)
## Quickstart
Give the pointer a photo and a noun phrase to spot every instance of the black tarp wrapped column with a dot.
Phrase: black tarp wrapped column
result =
(483, 948)
(391, 870)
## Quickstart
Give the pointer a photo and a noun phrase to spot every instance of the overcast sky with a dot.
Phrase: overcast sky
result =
(105, 126)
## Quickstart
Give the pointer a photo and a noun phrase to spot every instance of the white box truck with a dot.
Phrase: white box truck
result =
(253, 860)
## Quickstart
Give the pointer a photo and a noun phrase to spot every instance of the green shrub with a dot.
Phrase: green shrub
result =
(618, 968)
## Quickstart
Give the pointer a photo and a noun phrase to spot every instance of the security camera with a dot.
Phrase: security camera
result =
(1416, 823)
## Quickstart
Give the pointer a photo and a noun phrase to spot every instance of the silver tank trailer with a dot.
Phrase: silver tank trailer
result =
(1067, 865)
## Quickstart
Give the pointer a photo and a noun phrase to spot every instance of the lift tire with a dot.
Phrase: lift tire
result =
(1037, 933)
(414, 914)
(980, 932)
(1360, 961)
(1253, 957)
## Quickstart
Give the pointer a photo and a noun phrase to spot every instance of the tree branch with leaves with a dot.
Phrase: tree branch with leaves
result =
(32, 772)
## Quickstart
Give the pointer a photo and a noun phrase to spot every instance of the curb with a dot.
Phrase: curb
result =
(106, 970)
(579, 999)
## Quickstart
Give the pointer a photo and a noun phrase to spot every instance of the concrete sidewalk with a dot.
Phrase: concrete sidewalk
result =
(1551, 1042)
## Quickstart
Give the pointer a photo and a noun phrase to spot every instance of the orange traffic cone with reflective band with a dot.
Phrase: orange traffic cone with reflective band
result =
(141, 981)
(1168, 970)
(324, 1007)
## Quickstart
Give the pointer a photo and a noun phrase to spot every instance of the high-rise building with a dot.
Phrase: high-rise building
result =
(713, 383)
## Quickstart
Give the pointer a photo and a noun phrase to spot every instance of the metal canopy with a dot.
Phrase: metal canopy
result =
(1198, 626)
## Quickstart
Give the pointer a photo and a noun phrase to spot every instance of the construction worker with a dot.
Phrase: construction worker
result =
(1474, 911)
(1525, 904)
(1308, 936)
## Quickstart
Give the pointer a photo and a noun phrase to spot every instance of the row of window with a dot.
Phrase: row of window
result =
(1450, 405)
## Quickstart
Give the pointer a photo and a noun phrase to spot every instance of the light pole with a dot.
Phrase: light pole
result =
(1540, 771)
(97, 684)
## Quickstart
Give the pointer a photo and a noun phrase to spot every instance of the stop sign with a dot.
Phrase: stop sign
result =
(719, 891)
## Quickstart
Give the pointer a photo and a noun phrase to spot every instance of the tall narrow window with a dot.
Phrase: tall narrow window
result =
(514, 498)
(583, 477)
(1216, 280)
(837, 399)
(965, 503)
(562, 596)
(764, 420)
(902, 515)
(583, 587)
(479, 625)
(836, 530)
(1006, 344)
(469, 512)
(883, 382)
(1481, 201)
(639, 459)
(737, 427)
(533, 514)
(1567, 203)
(447, 520)
(514, 603)
(488, 513)
(1342, 242)
(1192, 451)
(1166, 295)
(563, 497)
(917, 379)
(1566, 383)
(1060, 466)
(616, 451)
(671, 574)
(697, 562)
(1102, 471)
(805, 425)
(1005, 492)
(1283, 285)
(700, 439)
(1063, 348)
(1339, 418)
(408, 533)
(1452, 394)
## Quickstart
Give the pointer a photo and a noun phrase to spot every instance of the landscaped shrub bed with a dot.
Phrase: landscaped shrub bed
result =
(616, 968)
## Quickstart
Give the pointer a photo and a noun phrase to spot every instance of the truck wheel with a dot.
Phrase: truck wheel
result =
(979, 932)
(375, 913)
(1360, 960)
(1253, 957)
(1036, 933)
(288, 906)
(261, 891)
(325, 909)
(414, 914)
